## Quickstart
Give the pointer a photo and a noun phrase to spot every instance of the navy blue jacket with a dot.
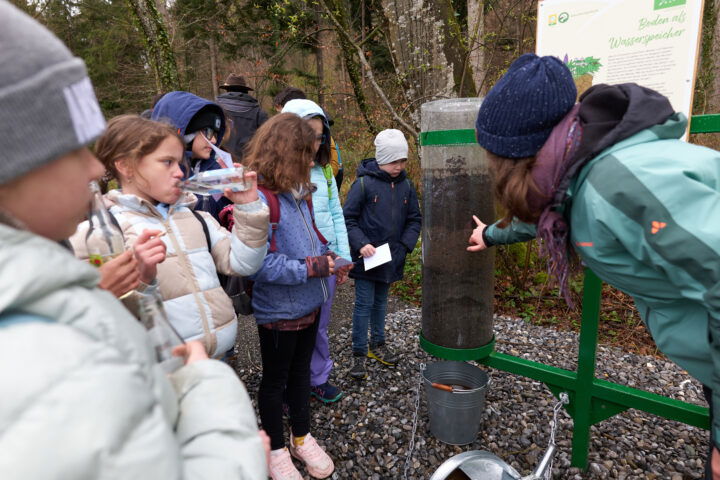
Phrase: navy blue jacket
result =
(178, 108)
(381, 209)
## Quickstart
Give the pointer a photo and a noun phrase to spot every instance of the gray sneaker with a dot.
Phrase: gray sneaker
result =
(383, 354)
(358, 371)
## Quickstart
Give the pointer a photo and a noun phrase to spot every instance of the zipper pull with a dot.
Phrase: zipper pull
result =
(392, 185)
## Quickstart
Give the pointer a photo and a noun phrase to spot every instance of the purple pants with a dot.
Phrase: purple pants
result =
(321, 364)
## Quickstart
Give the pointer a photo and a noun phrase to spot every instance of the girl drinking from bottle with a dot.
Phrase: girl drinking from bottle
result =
(289, 290)
(145, 157)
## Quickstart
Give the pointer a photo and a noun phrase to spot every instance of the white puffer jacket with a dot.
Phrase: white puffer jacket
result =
(196, 304)
(82, 395)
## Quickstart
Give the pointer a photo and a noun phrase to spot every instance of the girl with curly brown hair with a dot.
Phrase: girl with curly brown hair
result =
(288, 291)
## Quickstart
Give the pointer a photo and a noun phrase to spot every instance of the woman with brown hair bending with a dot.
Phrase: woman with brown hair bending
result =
(609, 180)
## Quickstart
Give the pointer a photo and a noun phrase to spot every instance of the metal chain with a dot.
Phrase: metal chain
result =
(564, 399)
(411, 446)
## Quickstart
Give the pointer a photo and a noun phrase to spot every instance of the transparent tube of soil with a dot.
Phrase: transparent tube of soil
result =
(457, 303)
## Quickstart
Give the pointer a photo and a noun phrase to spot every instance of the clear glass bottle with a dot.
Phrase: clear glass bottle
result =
(104, 239)
(214, 182)
(163, 335)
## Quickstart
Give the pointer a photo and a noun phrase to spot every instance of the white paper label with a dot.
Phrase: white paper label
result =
(84, 110)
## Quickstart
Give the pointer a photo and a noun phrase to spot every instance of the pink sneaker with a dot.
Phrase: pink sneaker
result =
(282, 467)
(317, 462)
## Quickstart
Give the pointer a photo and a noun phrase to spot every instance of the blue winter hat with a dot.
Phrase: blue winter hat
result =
(519, 112)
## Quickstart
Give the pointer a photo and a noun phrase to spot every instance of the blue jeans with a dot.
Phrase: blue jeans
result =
(370, 304)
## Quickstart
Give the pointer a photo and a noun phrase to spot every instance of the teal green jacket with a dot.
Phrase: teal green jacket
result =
(645, 217)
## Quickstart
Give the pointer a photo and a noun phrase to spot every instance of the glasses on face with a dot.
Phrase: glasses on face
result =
(208, 132)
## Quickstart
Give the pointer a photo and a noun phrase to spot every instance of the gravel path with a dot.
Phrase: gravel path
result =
(367, 433)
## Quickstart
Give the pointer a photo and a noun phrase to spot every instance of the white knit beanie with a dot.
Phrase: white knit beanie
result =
(390, 145)
(47, 103)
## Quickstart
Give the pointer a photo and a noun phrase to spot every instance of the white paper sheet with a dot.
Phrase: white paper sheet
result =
(224, 159)
(382, 256)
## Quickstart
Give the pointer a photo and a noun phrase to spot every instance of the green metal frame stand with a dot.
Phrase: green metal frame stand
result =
(591, 400)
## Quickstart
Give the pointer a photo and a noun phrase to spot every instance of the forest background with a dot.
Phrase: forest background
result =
(371, 64)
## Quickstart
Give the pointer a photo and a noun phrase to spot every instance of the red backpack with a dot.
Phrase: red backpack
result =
(227, 220)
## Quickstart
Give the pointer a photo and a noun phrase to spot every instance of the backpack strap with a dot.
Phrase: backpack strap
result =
(274, 207)
(205, 229)
(328, 173)
(312, 217)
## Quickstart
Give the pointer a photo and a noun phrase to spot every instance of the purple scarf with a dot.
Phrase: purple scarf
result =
(555, 166)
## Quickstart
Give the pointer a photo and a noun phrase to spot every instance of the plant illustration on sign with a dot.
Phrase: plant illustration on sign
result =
(582, 70)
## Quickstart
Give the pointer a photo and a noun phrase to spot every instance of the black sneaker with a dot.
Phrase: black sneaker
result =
(358, 371)
(383, 354)
(326, 393)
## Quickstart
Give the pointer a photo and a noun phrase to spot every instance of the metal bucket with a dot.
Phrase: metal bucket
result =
(455, 415)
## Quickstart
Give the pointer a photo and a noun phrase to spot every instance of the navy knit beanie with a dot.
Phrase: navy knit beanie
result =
(519, 112)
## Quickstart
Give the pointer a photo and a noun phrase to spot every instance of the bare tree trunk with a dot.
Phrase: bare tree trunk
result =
(157, 44)
(428, 50)
(455, 49)
(213, 66)
(319, 61)
(476, 50)
(338, 13)
(162, 8)
(362, 31)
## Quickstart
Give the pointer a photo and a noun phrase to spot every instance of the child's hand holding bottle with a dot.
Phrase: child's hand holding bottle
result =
(120, 275)
(246, 196)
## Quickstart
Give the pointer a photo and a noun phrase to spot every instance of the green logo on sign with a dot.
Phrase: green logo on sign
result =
(659, 4)
(563, 17)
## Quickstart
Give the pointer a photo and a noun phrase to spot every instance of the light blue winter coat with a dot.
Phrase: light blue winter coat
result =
(83, 396)
(329, 216)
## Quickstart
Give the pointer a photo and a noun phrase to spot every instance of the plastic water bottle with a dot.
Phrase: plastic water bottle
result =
(214, 182)
(104, 239)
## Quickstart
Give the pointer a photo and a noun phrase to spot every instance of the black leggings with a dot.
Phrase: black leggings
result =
(286, 368)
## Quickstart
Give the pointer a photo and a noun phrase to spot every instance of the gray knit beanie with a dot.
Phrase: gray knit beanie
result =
(47, 103)
(390, 146)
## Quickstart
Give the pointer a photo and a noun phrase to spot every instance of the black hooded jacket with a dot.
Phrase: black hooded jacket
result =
(246, 115)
